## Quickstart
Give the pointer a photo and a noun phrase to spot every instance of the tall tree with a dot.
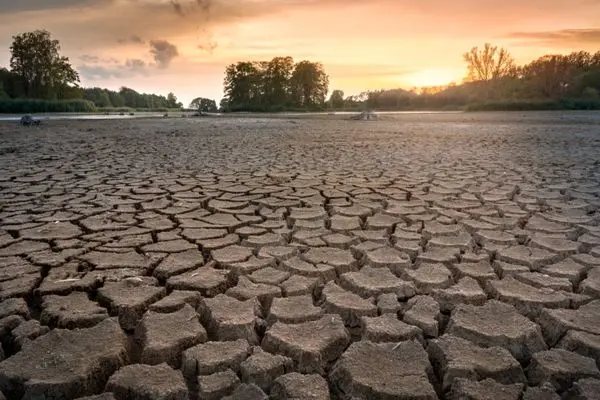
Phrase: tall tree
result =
(488, 63)
(204, 105)
(278, 73)
(336, 100)
(172, 101)
(309, 84)
(36, 58)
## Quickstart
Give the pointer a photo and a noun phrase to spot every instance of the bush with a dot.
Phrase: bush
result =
(115, 109)
(32, 106)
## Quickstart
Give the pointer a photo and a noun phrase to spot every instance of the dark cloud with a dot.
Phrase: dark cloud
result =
(177, 7)
(100, 69)
(163, 52)
(205, 5)
(564, 37)
(135, 64)
(135, 39)
(202, 8)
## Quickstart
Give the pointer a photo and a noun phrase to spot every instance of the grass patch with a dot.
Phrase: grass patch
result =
(32, 106)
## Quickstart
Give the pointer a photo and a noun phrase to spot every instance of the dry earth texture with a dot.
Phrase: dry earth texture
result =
(444, 256)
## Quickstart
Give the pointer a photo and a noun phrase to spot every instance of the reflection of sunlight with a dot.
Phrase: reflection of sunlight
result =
(431, 77)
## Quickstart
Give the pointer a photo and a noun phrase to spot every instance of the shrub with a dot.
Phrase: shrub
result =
(536, 105)
(32, 106)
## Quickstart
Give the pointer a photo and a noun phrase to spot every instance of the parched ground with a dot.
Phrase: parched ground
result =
(421, 256)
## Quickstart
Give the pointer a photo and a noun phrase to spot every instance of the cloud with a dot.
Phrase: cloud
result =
(9, 6)
(177, 7)
(97, 71)
(135, 39)
(163, 52)
(562, 38)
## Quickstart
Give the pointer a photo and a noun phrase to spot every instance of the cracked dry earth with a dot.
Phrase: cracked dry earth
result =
(444, 256)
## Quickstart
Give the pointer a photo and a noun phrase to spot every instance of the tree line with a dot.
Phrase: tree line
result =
(495, 81)
(41, 80)
(276, 85)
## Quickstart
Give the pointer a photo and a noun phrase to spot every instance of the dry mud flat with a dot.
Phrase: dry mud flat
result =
(416, 257)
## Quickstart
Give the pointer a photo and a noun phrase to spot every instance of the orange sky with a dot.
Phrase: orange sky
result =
(364, 44)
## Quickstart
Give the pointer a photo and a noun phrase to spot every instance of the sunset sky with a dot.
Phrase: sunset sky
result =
(184, 45)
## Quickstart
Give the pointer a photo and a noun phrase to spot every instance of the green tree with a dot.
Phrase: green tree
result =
(242, 84)
(204, 105)
(590, 93)
(277, 74)
(336, 100)
(488, 63)
(309, 84)
(3, 94)
(36, 59)
(172, 101)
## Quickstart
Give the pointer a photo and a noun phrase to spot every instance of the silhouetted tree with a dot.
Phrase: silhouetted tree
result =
(336, 100)
(488, 63)
(204, 105)
(309, 84)
(274, 85)
(36, 59)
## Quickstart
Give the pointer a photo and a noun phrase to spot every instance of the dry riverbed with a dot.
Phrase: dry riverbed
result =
(420, 256)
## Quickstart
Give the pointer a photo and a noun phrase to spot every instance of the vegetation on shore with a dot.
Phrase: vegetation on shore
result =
(41, 80)
(493, 83)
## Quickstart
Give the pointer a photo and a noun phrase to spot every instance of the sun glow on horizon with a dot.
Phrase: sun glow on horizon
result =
(433, 77)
